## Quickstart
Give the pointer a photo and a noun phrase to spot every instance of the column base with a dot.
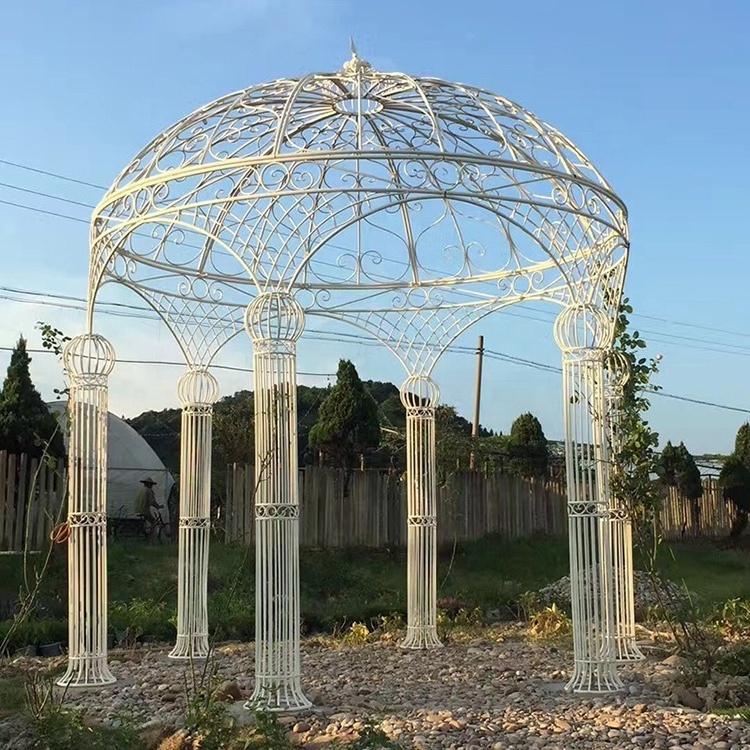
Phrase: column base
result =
(190, 647)
(278, 695)
(86, 672)
(627, 650)
(421, 638)
(595, 679)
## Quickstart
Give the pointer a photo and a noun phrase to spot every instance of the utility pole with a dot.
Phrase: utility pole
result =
(477, 399)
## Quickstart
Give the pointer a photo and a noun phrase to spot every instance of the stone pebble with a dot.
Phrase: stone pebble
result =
(498, 693)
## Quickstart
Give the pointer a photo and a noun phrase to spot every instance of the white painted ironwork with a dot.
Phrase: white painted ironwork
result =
(274, 322)
(583, 334)
(88, 359)
(409, 207)
(198, 391)
(617, 374)
(420, 396)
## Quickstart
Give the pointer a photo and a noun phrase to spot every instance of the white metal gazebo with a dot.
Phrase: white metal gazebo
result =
(408, 207)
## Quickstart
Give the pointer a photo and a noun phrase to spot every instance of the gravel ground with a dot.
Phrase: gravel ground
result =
(497, 692)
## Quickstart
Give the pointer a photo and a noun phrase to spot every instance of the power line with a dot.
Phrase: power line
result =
(169, 363)
(389, 260)
(704, 344)
(742, 351)
(45, 195)
(51, 174)
(44, 211)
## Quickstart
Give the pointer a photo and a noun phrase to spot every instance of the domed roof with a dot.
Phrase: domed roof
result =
(361, 192)
(360, 109)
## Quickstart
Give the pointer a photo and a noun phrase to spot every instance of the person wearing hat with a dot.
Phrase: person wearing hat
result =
(144, 501)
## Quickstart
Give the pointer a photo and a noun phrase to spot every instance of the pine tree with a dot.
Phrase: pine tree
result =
(742, 444)
(669, 464)
(735, 480)
(347, 425)
(527, 447)
(26, 424)
(688, 475)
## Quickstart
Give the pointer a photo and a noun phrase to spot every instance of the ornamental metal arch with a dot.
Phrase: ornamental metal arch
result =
(410, 208)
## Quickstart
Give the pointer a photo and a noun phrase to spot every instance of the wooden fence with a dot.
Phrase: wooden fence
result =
(30, 502)
(473, 505)
(708, 517)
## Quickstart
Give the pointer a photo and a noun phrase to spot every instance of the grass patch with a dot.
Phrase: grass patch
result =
(340, 587)
(12, 695)
(714, 574)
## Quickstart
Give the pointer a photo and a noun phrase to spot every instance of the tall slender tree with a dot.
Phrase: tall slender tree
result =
(26, 424)
(735, 480)
(347, 426)
(527, 447)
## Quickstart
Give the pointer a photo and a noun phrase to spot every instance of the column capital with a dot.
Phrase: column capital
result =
(583, 327)
(197, 387)
(419, 392)
(89, 357)
(274, 316)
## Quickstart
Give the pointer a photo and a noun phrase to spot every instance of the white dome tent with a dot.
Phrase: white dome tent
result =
(129, 459)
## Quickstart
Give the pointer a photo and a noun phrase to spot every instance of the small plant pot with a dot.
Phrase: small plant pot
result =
(111, 641)
(51, 649)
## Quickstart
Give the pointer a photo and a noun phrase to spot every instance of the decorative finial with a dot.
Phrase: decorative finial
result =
(356, 65)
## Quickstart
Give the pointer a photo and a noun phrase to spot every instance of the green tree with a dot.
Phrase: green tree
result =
(528, 452)
(234, 430)
(734, 479)
(347, 425)
(742, 444)
(668, 464)
(677, 468)
(26, 424)
(688, 475)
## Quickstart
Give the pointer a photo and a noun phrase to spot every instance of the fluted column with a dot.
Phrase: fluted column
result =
(420, 395)
(198, 391)
(617, 374)
(582, 332)
(89, 359)
(275, 322)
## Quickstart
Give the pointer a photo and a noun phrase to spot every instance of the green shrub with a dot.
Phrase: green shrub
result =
(143, 618)
(32, 633)
(65, 729)
(735, 661)
(231, 616)
(733, 618)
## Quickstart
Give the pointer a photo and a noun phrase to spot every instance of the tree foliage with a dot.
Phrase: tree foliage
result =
(234, 429)
(677, 468)
(734, 479)
(347, 425)
(689, 483)
(742, 444)
(528, 452)
(26, 424)
(635, 459)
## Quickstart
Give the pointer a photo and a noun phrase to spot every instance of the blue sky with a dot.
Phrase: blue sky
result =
(654, 93)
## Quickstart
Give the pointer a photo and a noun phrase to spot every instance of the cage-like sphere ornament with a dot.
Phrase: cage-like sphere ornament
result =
(89, 354)
(419, 392)
(617, 366)
(274, 316)
(198, 387)
(582, 326)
